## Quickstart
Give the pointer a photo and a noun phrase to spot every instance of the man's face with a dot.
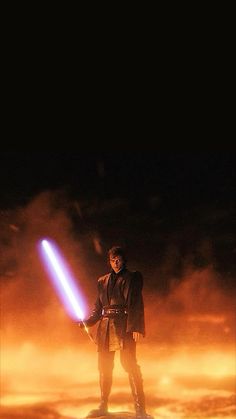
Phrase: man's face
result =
(117, 263)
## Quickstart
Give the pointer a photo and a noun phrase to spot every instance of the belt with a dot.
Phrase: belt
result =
(114, 311)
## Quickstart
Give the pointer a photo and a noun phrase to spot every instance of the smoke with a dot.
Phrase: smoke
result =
(189, 307)
(195, 311)
(49, 365)
(30, 308)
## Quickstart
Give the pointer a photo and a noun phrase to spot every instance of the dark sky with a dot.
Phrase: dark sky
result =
(182, 179)
(179, 203)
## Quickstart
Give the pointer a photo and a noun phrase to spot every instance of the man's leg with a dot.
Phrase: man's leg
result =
(129, 363)
(105, 366)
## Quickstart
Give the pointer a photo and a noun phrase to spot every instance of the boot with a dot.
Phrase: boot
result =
(136, 384)
(100, 411)
(105, 386)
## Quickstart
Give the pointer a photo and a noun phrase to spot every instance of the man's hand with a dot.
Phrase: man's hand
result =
(136, 336)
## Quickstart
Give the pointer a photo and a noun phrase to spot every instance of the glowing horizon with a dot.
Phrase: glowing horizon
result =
(183, 384)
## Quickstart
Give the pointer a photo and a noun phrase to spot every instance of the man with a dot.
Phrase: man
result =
(120, 312)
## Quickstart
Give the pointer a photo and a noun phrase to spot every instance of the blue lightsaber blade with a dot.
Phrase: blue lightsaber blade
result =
(63, 281)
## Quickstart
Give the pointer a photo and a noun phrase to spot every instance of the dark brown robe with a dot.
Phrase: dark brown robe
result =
(127, 292)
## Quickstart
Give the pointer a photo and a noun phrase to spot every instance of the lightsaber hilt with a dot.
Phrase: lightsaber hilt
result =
(88, 332)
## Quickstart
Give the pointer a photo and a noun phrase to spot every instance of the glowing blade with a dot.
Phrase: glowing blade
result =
(62, 278)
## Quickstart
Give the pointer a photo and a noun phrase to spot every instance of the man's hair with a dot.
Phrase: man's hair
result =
(116, 251)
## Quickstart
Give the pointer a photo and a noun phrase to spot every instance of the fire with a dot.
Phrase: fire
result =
(67, 379)
(49, 366)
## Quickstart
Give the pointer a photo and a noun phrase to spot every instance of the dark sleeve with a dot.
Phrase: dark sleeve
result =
(96, 313)
(135, 321)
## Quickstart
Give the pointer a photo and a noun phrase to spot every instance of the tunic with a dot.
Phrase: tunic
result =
(118, 290)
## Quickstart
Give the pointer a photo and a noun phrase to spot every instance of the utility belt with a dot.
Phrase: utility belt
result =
(114, 311)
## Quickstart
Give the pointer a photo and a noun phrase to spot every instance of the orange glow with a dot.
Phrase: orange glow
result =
(66, 378)
(49, 366)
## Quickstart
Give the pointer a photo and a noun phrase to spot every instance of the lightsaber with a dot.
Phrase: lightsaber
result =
(63, 281)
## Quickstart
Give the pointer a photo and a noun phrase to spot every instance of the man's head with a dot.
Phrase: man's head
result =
(117, 258)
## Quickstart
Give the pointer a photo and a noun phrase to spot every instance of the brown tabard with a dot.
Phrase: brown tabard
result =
(126, 294)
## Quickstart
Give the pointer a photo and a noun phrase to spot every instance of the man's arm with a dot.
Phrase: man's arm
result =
(135, 321)
(95, 315)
